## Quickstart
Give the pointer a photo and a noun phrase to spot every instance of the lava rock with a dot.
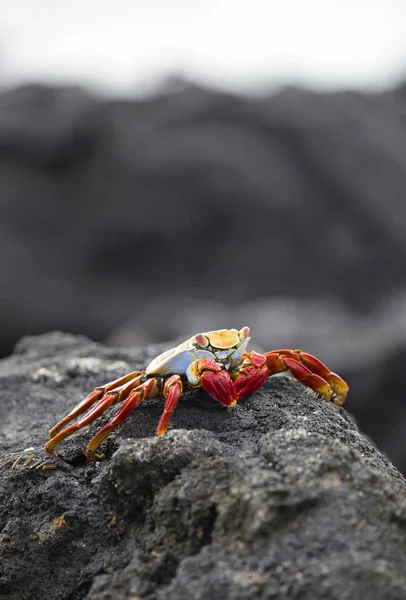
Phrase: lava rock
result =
(279, 497)
(286, 211)
(367, 350)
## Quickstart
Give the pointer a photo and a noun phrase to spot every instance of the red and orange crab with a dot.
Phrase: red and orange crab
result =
(216, 361)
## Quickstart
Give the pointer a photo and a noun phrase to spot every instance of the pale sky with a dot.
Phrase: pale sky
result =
(129, 46)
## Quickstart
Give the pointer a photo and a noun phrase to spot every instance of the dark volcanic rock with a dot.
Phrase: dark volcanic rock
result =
(280, 497)
(367, 350)
(111, 209)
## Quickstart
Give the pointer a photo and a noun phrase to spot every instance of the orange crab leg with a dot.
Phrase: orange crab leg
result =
(109, 399)
(309, 379)
(148, 389)
(339, 386)
(98, 410)
(310, 371)
(93, 397)
(172, 391)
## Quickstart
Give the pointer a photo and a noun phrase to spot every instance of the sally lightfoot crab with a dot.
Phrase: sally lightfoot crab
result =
(216, 361)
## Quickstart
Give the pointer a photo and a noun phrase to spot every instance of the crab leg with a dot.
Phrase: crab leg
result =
(339, 386)
(310, 371)
(93, 397)
(109, 399)
(148, 389)
(172, 391)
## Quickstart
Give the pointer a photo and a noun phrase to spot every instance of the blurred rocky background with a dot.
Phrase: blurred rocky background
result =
(134, 217)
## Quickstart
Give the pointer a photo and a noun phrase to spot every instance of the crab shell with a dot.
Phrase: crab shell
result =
(225, 346)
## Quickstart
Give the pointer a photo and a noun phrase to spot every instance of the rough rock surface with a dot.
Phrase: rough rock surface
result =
(281, 497)
(367, 350)
(112, 211)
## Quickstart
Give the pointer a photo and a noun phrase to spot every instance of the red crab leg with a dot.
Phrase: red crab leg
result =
(172, 391)
(109, 399)
(148, 389)
(93, 397)
(310, 371)
(339, 386)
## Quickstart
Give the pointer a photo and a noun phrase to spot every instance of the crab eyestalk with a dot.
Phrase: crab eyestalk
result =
(244, 333)
(201, 341)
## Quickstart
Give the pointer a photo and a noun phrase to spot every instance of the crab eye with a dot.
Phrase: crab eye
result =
(202, 340)
(244, 333)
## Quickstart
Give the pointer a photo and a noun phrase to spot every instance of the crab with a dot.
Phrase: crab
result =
(217, 361)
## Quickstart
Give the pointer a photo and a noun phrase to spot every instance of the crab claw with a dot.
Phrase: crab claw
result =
(214, 379)
(252, 375)
(227, 389)
(220, 387)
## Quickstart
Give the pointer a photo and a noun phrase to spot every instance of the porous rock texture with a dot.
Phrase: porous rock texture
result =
(121, 210)
(367, 350)
(280, 497)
